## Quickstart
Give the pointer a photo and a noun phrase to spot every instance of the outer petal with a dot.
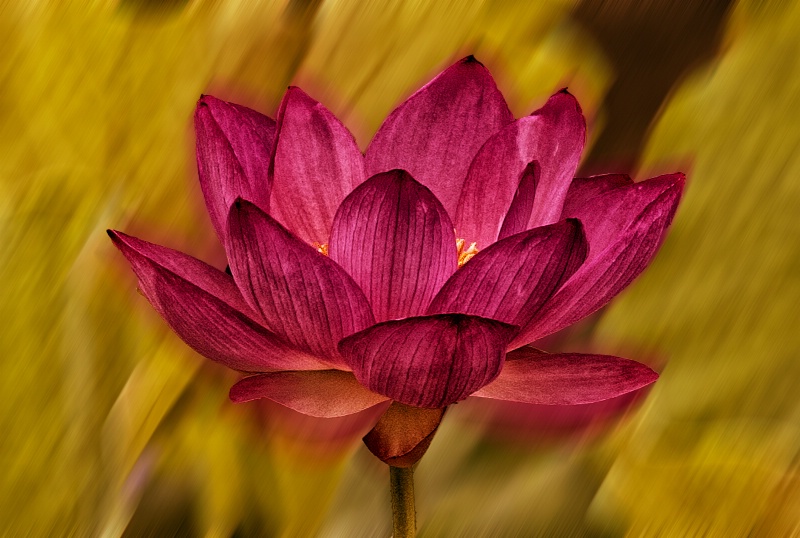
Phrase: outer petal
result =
(582, 190)
(625, 227)
(566, 378)
(437, 131)
(301, 294)
(317, 163)
(234, 145)
(325, 393)
(203, 306)
(403, 434)
(512, 279)
(553, 136)
(430, 361)
(395, 239)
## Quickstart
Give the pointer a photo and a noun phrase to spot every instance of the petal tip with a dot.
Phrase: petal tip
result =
(296, 93)
(565, 94)
(119, 238)
(236, 395)
(574, 221)
(207, 101)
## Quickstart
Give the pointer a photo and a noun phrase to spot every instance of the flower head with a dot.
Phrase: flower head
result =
(405, 275)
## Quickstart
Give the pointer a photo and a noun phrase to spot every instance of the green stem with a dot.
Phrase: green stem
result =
(404, 517)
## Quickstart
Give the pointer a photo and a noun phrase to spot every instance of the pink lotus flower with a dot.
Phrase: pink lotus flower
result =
(413, 275)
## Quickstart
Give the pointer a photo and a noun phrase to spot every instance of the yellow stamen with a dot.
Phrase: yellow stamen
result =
(465, 255)
(322, 248)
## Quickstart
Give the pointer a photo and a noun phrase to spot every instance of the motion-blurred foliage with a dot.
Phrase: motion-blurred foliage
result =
(111, 426)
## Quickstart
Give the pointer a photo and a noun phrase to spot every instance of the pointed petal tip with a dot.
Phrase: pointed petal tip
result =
(296, 92)
(116, 237)
(119, 238)
(239, 203)
(564, 93)
(471, 60)
(533, 168)
(207, 100)
(671, 183)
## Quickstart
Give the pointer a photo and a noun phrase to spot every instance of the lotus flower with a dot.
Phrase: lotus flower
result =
(413, 276)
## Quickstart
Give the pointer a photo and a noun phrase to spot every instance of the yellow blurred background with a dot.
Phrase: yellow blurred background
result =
(110, 426)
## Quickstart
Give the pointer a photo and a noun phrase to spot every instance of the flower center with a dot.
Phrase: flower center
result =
(322, 248)
(465, 254)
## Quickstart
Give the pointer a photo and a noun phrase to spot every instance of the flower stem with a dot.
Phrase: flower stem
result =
(404, 516)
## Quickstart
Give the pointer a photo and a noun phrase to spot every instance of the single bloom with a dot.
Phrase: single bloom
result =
(413, 276)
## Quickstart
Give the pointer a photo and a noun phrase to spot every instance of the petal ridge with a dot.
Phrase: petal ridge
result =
(396, 240)
(315, 164)
(301, 294)
(428, 361)
(567, 379)
(204, 308)
(234, 144)
(436, 132)
(620, 249)
(512, 279)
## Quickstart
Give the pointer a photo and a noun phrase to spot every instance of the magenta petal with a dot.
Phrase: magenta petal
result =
(582, 190)
(324, 393)
(566, 378)
(512, 279)
(430, 361)
(395, 239)
(437, 131)
(301, 294)
(519, 213)
(553, 136)
(234, 145)
(625, 227)
(317, 163)
(204, 307)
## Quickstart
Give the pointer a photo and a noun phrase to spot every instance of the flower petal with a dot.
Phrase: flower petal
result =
(395, 239)
(403, 434)
(324, 393)
(203, 306)
(553, 136)
(625, 227)
(518, 215)
(437, 131)
(566, 378)
(316, 164)
(513, 278)
(301, 294)
(234, 145)
(582, 190)
(429, 361)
